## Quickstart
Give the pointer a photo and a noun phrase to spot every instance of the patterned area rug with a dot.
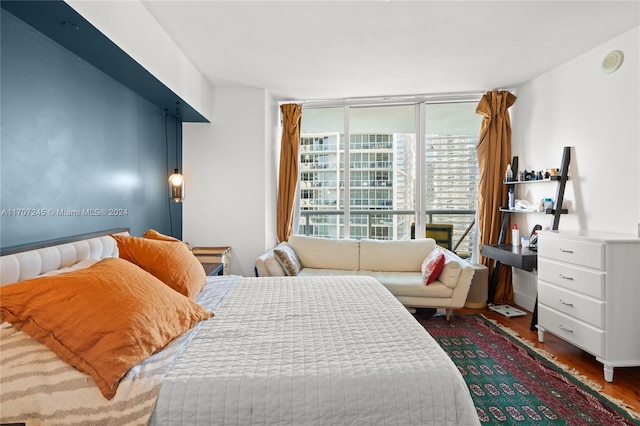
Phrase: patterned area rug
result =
(512, 383)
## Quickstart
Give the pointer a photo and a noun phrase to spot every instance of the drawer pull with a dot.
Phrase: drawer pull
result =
(564, 277)
(566, 251)
(566, 303)
(562, 327)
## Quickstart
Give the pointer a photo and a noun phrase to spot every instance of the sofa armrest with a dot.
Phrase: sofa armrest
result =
(268, 266)
(461, 290)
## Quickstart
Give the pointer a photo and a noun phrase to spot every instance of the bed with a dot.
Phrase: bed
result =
(277, 351)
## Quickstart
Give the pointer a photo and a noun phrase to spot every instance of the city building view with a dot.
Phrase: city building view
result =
(380, 191)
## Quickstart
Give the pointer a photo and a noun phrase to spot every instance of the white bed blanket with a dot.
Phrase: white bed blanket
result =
(39, 388)
(313, 351)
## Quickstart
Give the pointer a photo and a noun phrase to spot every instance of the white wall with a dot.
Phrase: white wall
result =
(230, 176)
(598, 115)
(230, 164)
(273, 135)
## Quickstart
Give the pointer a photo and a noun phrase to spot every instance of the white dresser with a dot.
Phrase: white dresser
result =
(589, 294)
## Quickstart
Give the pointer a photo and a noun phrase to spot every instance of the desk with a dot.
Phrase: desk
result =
(516, 256)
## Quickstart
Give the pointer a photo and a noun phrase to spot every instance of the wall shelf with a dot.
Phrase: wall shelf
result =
(516, 256)
(547, 211)
(549, 179)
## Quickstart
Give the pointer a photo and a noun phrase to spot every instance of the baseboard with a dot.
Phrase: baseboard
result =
(525, 301)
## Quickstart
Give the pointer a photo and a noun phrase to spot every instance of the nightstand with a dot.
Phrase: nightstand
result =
(212, 269)
(214, 255)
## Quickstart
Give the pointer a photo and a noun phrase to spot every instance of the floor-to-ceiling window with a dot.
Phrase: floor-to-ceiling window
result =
(383, 182)
(451, 168)
(321, 176)
(381, 138)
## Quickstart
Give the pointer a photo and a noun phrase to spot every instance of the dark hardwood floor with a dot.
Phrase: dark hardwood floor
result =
(626, 380)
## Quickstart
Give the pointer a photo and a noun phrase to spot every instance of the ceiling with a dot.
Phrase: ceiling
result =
(310, 50)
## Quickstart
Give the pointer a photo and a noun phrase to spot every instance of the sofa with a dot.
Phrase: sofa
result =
(398, 265)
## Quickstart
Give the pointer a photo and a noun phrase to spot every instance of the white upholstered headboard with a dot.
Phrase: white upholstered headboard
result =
(20, 265)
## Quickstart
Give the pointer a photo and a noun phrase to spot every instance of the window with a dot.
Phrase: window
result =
(390, 181)
(451, 167)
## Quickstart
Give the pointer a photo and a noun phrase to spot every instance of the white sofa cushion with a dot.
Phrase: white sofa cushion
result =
(411, 284)
(451, 271)
(394, 256)
(324, 253)
(398, 283)
(313, 272)
(267, 266)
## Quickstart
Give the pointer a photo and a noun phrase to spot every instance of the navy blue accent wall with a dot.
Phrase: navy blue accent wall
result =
(79, 152)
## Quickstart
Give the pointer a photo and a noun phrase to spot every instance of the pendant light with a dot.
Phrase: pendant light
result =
(176, 180)
(176, 184)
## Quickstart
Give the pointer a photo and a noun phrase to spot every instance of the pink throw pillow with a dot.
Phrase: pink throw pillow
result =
(432, 266)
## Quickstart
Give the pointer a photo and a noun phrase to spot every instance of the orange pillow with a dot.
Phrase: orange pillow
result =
(171, 263)
(102, 320)
(155, 235)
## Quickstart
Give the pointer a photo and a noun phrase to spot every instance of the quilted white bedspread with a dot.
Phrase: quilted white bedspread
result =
(313, 351)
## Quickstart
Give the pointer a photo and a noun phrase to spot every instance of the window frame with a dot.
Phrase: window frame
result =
(420, 197)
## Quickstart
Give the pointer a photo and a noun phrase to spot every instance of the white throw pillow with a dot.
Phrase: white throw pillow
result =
(451, 271)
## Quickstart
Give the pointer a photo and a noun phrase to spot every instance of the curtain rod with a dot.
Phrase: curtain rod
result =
(389, 100)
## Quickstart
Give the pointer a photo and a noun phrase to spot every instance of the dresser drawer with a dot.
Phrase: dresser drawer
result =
(584, 253)
(585, 281)
(573, 331)
(576, 305)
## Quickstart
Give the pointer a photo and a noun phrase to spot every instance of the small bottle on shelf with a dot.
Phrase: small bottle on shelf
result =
(515, 235)
(511, 199)
(508, 175)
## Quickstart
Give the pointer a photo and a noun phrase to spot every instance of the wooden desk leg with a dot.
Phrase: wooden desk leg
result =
(494, 282)
(534, 317)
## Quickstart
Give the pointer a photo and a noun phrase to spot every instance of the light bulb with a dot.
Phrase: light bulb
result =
(176, 179)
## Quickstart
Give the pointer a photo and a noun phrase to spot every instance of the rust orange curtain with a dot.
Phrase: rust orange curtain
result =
(494, 153)
(288, 177)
